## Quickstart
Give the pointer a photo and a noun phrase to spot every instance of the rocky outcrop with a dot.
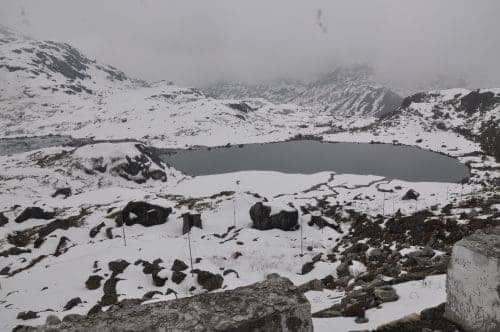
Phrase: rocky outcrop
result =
(473, 282)
(271, 305)
(263, 218)
(133, 162)
(143, 213)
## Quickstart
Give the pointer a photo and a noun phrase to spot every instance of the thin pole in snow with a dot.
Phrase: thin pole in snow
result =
(190, 254)
(123, 231)
(301, 240)
(234, 203)
(383, 207)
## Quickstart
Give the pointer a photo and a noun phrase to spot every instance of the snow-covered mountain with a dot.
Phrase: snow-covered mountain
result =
(347, 91)
(453, 120)
(55, 89)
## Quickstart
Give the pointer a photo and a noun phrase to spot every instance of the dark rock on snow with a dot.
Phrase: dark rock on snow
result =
(307, 267)
(190, 220)
(96, 229)
(209, 280)
(93, 282)
(25, 315)
(72, 303)
(34, 212)
(410, 194)
(143, 213)
(118, 266)
(179, 265)
(3, 219)
(158, 280)
(66, 192)
(178, 277)
(263, 220)
(321, 223)
(62, 246)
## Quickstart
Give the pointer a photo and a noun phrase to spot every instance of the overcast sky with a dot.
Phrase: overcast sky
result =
(194, 42)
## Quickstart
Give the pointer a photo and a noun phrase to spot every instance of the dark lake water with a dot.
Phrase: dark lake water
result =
(307, 157)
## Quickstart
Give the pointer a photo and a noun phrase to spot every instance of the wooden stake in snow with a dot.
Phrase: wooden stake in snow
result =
(123, 231)
(190, 254)
(234, 202)
(301, 238)
(383, 207)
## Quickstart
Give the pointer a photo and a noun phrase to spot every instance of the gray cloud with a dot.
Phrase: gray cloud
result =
(194, 42)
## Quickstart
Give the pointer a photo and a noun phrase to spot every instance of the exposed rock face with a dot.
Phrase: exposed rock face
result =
(262, 218)
(473, 282)
(144, 213)
(271, 305)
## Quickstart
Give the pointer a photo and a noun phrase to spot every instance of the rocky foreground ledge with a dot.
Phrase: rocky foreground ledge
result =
(272, 305)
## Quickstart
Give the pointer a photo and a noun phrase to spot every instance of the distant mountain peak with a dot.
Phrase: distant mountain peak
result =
(349, 91)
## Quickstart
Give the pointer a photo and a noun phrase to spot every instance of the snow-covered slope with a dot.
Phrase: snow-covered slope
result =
(347, 91)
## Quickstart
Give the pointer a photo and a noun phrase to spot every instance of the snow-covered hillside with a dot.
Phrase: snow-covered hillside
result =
(345, 92)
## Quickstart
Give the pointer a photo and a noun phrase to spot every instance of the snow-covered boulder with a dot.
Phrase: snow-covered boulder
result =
(131, 161)
(473, 283)
(266, 217)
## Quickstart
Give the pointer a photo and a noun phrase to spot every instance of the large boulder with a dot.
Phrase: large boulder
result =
(473, 282)
(265, 217)
(272, 305)
(143, 213)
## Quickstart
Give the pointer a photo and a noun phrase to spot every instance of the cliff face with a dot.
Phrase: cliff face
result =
(271, 305)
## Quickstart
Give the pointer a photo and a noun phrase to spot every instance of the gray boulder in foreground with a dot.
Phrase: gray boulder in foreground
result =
(271, 305)
(473, 282)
